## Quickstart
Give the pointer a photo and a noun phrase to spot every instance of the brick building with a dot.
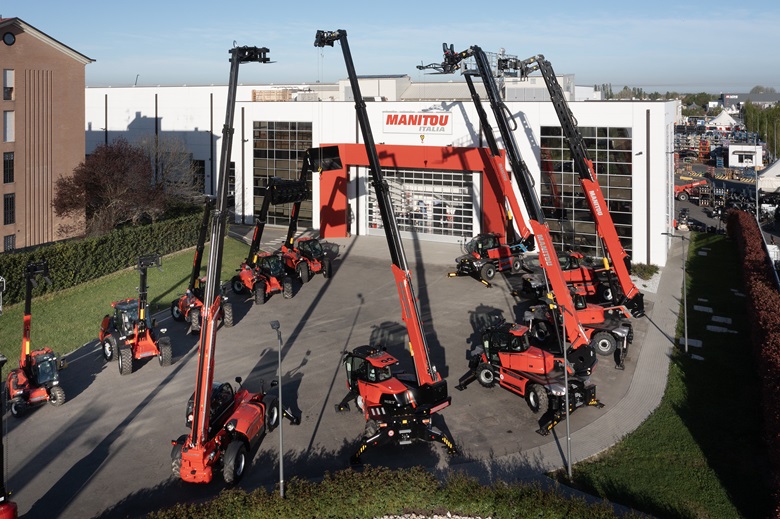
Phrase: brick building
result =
(42, 129)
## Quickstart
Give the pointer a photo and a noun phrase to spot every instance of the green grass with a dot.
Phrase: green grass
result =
(700, 454)
(66, 320)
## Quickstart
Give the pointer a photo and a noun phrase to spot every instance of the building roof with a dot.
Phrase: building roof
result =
(19, 24)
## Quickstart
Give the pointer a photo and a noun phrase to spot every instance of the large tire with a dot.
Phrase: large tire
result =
(56, 396)
(604, 343)
(604, 293)
(272, 415)
(166, 351)
(303, 271)
(517, 265)
(227, 314)
(18, 407)
(109, 348)
(260, 297)
(235, 461)
(175, 312)
(237, 285)
(194, 319)
(486, 375)
(327, 268)
(287, 287)
(682, 197)
(176, 456)
(537, 398)
(488, 271)
(125, 359)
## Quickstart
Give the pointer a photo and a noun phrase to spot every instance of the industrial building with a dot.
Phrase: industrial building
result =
(429, 137)
(43, 113)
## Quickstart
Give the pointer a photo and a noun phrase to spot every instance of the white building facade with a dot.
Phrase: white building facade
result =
(630, 143)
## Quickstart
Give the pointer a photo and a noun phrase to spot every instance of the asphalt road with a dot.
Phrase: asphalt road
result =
(106, 452)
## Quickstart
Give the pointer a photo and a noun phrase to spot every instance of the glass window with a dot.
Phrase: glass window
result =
(9, 209)
(8, 85)
(9, 123)
(611, 152)
(9, 242)
(8, 167)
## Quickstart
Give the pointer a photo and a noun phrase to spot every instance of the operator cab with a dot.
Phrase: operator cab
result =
(368, 364)
(44, 368)
(506, 338)
(270, 265)
(311, 248)
(222, 400)
(125, 317)
(481, 243)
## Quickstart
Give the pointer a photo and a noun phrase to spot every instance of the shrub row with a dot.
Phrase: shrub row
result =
(76, 261)
(377, 491)
(763, 302)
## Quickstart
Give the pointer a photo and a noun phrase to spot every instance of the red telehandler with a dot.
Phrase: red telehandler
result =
(397, 408)
(613, 283)
(509, 352)
(37, 379)
(608, 329)
(188, 307)
(130, 333)
(263, 273)
(304, 257)
(8, 509)
(225, 424)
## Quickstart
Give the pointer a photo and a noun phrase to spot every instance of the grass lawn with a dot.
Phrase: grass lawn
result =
(66, 320)
(700, 454)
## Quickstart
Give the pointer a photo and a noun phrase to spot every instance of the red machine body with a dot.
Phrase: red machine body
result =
(130, 333)
(397, 408)
(36, 380)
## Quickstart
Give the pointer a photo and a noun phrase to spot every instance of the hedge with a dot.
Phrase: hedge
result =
(76, 261)
(763, 302)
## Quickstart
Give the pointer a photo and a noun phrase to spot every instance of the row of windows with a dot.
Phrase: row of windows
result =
(279, 148)
(563, 202)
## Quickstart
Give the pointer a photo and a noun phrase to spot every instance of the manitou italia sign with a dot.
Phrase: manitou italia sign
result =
(417, 122)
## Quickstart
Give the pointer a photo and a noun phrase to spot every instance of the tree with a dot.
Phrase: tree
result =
(760, 89)
(111, 187)
(173, 169)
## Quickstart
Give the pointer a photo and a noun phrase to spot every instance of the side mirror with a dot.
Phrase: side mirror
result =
(274, 383)
(239, 380)
(62, 364)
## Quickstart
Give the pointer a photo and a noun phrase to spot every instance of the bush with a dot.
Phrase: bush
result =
(76, 261)
(643, 270)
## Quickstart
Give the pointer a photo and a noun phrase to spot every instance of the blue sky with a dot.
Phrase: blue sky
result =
(713, 46)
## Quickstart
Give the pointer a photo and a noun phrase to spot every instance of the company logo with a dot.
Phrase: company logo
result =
(416, 122)
(595, 201)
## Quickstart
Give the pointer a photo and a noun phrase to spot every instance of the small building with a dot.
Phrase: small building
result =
(745, 156)
(43, 137)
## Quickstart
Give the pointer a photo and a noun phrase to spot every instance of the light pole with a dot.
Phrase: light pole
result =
(275, 326)
(685, 287)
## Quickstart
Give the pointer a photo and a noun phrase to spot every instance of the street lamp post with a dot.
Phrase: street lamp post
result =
(275, 326)
(685, 287)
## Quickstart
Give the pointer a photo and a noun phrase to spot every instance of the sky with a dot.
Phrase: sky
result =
(663, 46)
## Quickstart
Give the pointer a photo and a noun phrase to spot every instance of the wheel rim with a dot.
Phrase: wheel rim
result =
(274, 416)
(533, 400)
(240, 462)
(487, 376)
(176, 312)
(107, 349)
(604, 345)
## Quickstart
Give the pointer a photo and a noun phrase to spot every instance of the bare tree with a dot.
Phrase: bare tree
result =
(111, 187)
(173, 169)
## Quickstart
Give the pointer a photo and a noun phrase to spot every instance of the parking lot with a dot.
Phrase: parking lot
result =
(107, 451)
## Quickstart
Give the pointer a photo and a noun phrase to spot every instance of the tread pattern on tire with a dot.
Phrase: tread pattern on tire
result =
(125, 361)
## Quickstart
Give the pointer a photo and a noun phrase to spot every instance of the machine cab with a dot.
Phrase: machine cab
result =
(125, 317)
(368, 364)
(270, 265)
(44, 368)
(481, 244)
(311, 248)
(222, 402)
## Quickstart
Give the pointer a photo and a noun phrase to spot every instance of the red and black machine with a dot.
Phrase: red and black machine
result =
(304, 257)
(612, 283)
(187, 308)
(226, 424)
(507, 352)
(398, 408)
(37, 379)
(608, 329)
(262, 273)
(130, 333)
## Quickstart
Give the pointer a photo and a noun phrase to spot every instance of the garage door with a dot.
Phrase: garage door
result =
(431, 205)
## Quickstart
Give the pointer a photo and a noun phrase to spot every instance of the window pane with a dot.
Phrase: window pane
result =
(8, 167)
